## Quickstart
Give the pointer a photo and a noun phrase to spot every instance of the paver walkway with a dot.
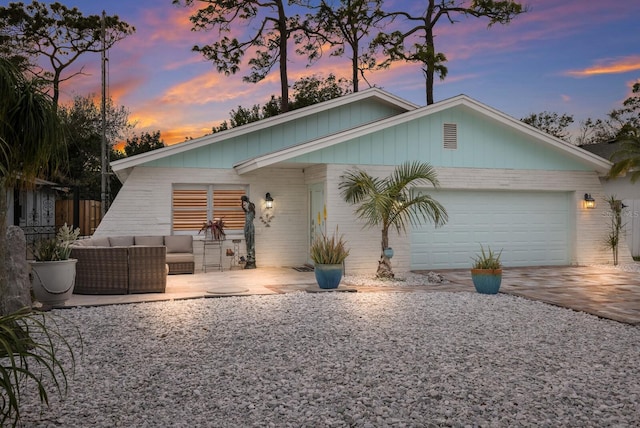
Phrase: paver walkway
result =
(605, 292)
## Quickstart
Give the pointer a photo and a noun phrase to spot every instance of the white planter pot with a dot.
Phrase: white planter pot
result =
(53, 282)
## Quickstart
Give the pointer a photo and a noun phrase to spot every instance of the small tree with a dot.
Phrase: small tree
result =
(390, 202)
(613, 238)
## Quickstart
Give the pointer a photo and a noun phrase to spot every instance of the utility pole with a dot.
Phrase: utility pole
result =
(105, 165)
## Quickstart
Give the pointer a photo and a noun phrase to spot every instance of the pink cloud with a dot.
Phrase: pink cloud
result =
(609, 66)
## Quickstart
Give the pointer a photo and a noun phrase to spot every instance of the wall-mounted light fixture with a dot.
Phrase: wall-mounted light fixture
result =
(268, 215)
(589, 202)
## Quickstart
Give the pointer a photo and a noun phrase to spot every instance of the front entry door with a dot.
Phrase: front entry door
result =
(316, 212)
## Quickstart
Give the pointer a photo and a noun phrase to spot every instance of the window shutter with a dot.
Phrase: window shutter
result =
(189, 209)
(227, 206)
(450, 136)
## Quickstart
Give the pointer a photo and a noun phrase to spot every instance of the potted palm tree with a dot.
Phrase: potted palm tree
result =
(486, 271)
(328, 255)
(53, 273)
(390, 202)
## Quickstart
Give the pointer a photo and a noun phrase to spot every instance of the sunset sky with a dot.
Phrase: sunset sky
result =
(579, 57)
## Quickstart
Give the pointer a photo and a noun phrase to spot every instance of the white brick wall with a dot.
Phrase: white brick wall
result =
(143, 206)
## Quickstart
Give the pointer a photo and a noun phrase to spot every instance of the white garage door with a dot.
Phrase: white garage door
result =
(532, 228)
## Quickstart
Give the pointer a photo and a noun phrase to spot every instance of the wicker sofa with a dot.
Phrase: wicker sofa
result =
(130, 264)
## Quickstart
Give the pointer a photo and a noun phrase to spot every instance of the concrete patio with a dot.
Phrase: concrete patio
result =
(601, 291)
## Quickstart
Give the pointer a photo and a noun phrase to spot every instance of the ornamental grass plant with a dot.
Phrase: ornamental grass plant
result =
(329, 250)
(488, 260)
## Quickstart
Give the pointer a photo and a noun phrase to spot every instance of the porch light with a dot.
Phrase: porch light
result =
(589, 202)
(268, 200)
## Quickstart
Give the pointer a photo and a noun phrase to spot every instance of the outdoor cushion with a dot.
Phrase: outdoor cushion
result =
(82, 243)
(121, 241)
(179, 258)
(179, 243)
(149, 240)
(102, 241)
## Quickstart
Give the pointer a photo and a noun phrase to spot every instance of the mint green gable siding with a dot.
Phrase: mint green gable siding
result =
(482, 143)
(224, 154)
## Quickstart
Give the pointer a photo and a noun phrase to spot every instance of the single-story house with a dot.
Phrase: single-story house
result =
(503, 183)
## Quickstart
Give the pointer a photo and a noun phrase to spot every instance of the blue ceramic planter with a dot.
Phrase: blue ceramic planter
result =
(487, 281)
(328, 276)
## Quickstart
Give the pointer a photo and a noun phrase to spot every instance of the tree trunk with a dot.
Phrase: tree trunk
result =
(384, 265)
(284, 36)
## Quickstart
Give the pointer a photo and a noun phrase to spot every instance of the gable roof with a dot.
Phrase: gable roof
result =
(594, 161)
(123, 167)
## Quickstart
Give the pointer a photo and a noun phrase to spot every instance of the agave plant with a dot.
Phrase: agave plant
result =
(30, 352)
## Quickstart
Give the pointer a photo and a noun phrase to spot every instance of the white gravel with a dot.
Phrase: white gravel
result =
(390, 359)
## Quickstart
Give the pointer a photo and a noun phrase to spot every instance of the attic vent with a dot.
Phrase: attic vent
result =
(450, 136)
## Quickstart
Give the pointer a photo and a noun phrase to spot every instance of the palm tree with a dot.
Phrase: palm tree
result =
(31, 139)
(391, 202)
(627, 158)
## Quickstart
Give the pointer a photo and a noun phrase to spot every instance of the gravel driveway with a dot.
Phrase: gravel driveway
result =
(347, 360)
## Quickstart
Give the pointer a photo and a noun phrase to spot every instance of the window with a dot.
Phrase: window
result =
(450, 136)
(194, 205)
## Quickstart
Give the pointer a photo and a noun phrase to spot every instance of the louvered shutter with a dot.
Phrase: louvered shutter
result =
(189, 209)
(227, 206)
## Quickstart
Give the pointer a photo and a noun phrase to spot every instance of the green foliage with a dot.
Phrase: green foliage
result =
(146, 142)
(83, 124)
(613, 237)
(392, 202)
(58, 248)
(31, 135)
(268, 30)
(348, 26)
(30, 352)
(551, 123)
(306, 91)
(627, 158)
(59, 33)
(329, 250)
(401, 46)
(487, 259)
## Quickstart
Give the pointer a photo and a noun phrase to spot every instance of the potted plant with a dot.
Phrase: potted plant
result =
(53, 273)
(328, 255)
(486, 271)
(213, 229)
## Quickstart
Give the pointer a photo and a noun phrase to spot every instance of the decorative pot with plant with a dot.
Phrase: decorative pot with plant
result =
(328, 255)
(53, 273)
(213, 229)
(486, 271)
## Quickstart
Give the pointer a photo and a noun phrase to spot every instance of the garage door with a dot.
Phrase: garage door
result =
(532, 228)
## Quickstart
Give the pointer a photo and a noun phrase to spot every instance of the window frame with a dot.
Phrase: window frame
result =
(209, 190)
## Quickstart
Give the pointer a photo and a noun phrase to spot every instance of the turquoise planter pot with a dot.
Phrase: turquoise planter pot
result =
(486, 281)
(328, 276)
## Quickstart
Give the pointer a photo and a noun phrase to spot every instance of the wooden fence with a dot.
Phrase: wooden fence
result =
(89, 215)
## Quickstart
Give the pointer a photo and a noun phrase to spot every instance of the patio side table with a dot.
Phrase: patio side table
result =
(212, 254)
